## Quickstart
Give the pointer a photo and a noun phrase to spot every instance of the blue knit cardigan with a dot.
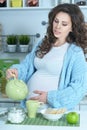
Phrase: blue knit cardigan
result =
(73, 81)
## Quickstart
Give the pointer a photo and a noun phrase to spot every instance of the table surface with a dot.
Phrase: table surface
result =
(83, 125)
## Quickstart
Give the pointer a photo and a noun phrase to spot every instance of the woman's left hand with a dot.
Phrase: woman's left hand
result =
(42, 96)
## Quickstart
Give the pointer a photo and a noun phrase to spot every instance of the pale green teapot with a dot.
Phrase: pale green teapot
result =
(16, 89)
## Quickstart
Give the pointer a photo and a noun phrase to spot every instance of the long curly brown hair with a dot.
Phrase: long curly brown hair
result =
(78, 35)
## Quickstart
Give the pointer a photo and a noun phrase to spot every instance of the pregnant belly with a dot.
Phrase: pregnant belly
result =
(42, 81)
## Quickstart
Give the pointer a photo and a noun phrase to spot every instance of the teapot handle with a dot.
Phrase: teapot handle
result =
(13, 77)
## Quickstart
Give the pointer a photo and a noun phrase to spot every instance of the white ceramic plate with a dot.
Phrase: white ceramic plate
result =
(52, 117)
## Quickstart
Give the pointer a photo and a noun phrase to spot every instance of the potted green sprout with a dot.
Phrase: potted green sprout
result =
(11, 43)
(24, 43)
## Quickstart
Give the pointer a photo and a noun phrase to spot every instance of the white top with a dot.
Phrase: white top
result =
(47, 76)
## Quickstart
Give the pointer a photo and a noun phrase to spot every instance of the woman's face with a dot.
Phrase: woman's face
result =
(62, 25)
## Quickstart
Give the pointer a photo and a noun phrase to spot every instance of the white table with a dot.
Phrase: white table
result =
(83, 125)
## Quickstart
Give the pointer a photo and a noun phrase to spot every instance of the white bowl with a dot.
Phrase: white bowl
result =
(52, 117)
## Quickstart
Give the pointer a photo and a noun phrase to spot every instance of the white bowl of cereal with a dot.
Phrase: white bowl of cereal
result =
(52, 113)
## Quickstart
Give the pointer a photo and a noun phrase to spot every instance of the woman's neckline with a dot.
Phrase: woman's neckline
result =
(65, 44)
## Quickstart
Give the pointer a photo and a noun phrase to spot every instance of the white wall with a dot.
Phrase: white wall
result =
(23, 21)
(26, 21)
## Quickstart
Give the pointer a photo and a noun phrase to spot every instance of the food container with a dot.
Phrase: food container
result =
(53, 114)
(16, 3)
(16, 115)
(80, 2)
(32, 3)
(3, 3)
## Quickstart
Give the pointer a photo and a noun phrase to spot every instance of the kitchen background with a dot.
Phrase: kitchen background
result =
(17, 17)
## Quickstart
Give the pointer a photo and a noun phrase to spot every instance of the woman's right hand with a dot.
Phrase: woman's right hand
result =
(11, 73)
